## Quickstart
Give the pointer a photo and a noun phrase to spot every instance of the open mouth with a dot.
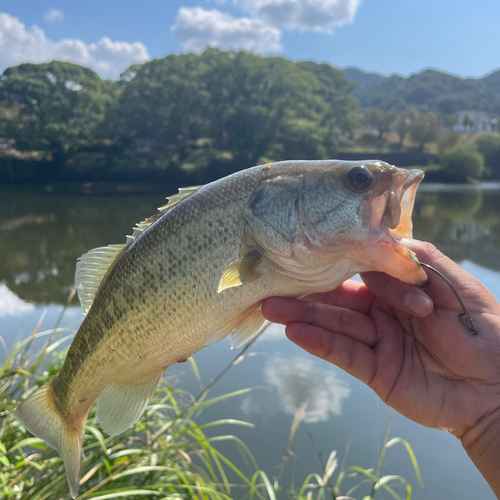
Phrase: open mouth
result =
(400, 205)
(388, 254)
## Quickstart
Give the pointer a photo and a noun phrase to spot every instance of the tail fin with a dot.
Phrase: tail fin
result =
(40, 416)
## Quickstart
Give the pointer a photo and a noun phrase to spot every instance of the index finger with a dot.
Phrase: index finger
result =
(350, 295)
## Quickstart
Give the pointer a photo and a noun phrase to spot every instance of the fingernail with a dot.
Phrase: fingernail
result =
(419, 304)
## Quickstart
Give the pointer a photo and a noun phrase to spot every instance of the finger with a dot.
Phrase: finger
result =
(351, 295)
(354, 357)
(356, 325)
(402, 296)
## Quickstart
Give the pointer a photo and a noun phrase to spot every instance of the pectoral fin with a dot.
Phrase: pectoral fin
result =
(239, 272)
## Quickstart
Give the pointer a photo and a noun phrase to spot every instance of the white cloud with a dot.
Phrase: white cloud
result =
(302, 15)
(10, 303)
(19, 44)
(53, 15)
(197, 28)
(299, 380)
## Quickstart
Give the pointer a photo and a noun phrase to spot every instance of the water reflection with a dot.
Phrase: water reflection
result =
(41, 236)
(11, 304)
(297, 380)
(464, 224)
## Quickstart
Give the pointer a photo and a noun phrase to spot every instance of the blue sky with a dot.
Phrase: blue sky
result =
(386, 36)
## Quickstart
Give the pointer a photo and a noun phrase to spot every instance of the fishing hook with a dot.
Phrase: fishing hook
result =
(465, 316)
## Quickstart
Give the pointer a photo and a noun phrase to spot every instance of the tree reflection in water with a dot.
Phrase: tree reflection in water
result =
(41, 236)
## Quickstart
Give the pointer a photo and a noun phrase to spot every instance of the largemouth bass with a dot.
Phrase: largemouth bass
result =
(198, 272)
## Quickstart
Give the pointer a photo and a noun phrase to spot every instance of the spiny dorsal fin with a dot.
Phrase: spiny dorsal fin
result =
(172, 201)
(94, 265)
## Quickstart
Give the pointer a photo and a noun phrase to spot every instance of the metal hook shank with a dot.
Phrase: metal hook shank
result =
(465, 317)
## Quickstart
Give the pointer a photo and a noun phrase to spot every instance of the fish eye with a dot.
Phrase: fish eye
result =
(359, 177)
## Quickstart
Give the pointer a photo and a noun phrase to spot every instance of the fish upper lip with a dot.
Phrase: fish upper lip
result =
(414, 177)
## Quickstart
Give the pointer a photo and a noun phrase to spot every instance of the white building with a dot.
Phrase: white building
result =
(475, 122)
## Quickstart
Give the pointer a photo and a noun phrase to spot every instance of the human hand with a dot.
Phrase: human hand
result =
(408, 344)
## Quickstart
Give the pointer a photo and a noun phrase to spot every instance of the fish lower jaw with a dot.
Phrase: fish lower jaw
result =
(390, 256)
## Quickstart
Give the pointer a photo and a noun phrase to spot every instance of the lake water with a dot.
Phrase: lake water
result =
(41, 236)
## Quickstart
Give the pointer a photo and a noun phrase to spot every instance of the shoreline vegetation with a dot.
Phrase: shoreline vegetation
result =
(166, 454)
(188, 119)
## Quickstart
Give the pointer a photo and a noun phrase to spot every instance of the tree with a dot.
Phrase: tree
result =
(462, 162)
(467, 122)
(451, 121)
(162, 100)
(380, 120)
(334, 88)
(403, 123)
(424, 128)
(235, 101)
(489, 147)
(251, 99)
(212, 113)
(54, 107)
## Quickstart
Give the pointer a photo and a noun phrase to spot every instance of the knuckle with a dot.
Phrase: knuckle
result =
(310, 313)
(350, 357)
(430, 248)
(344, 321)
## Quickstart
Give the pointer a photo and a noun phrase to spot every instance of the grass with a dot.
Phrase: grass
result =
(166, 454)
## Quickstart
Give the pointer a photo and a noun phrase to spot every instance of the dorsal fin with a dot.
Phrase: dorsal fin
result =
(172, 201)
(92, 267)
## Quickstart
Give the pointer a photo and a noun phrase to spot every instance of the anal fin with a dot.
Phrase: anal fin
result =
(120, 405)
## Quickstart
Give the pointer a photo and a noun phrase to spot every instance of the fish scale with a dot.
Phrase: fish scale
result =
(199, 270)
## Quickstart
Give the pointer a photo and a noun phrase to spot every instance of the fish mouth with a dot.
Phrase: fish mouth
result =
(400, 201)
(388, 254)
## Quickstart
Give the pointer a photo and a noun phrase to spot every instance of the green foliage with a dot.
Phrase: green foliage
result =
(461, 163)
(166, 454)
(380, 120)
(166, 116)
(54, 106)
(424, 128)
(403, 122)
(489, 146)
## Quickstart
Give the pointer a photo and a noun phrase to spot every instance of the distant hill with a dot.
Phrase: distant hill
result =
(363, 79)
(492, 80)
(427, 91)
